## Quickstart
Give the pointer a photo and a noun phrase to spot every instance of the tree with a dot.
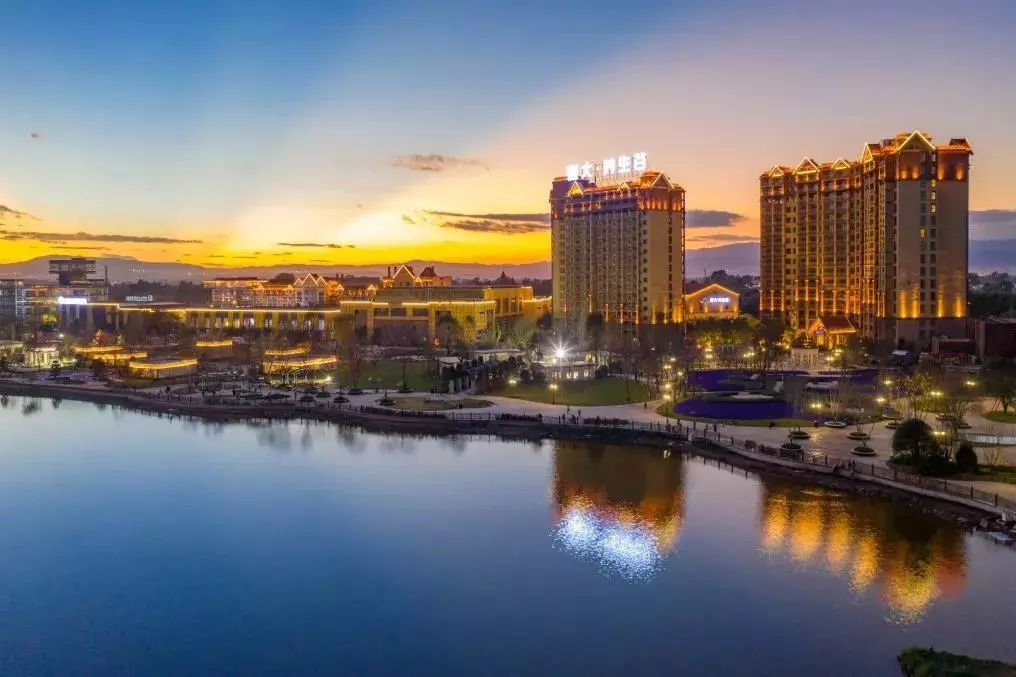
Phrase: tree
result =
(98, 370)
(449, 330)
(594, 330)
(999, 377)
(966, 457)
(915, 438)
(767, 346)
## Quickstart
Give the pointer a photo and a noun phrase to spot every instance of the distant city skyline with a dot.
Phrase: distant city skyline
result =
(229, 134)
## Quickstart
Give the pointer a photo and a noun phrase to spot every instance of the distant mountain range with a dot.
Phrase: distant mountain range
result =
(737, 259)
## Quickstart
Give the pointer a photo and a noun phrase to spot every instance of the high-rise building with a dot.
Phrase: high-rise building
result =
(12, 299)
(875, 247)
(618, 250)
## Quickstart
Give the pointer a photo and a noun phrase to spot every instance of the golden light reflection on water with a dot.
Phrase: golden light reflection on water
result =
(617, 506)
(914, 559)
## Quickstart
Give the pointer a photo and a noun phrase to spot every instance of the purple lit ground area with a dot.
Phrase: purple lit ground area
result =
(728, 380)
(731, 409)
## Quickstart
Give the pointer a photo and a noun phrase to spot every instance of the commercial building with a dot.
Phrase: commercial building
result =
(618, 248)
(712, 300)
(163, 367)
(408, 315)
(282, 291)
(880, 242)
(402, 307)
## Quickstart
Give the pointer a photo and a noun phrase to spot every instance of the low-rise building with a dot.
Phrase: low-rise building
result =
(163, 367)
(711, 300)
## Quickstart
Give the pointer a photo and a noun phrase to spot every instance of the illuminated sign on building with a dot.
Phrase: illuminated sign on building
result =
(71, 301)
(148, 298)
(620, 166)
(717, 299)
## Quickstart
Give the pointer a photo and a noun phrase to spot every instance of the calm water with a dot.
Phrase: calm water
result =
(132, 543)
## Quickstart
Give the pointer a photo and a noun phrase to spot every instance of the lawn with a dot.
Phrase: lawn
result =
(601, 391)
(1001, 416)
(438, 404)
(992, 473)
(388, 373)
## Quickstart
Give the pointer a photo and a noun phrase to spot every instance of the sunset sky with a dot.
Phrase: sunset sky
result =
(326, 132)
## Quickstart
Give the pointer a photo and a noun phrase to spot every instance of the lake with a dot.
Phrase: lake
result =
(133, 543)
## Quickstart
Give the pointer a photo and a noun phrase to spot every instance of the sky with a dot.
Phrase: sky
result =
(236, 133)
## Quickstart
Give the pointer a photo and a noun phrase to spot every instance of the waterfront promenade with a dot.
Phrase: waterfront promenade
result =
(828, 448)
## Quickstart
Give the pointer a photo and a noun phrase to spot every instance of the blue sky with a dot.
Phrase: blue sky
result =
(234, 121)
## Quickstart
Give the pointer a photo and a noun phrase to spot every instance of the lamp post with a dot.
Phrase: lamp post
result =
(553, 393)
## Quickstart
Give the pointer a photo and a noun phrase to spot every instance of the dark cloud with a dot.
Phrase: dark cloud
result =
(541, 217)
(992, 224)
(321, 245)
(80, 248)
(503, 223)
(35, 135)
(406, 218)
(61, 238)
(433, 162)
(723, 237)
(14, 213)
(711, 218)
(493, 226)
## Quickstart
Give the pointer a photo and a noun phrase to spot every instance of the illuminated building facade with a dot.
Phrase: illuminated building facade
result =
(880, 242)
(711, 301)
(618, 249)
(282, 291)
(12, 299)
(408, 315)
(403, 276)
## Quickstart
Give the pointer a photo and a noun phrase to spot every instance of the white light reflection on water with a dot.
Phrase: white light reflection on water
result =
(624, 550)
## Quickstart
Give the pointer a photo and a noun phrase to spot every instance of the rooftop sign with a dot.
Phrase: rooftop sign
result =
(616, 168)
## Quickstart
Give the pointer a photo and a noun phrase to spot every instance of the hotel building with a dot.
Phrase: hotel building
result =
(875, 247)
(618, 249)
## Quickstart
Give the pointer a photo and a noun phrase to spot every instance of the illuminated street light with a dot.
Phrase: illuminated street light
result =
(971, 384)
(880, 399)
(553, 393)
(936, 393)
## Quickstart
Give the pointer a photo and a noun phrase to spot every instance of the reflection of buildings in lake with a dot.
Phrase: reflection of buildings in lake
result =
(915, 558)
(617, 505)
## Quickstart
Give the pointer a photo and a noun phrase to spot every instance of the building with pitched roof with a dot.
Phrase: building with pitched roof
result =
(880, 241)
(618, 249)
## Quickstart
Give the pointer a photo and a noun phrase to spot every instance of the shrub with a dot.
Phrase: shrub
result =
(966, 457)
(602, 371)
(914, 438)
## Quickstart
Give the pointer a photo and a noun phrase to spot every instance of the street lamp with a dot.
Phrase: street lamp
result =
(553, 393)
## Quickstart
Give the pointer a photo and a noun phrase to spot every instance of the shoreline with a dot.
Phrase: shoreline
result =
(375, 420)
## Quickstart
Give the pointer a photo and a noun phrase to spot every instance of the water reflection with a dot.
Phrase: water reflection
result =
(617, 506)
(914, 559)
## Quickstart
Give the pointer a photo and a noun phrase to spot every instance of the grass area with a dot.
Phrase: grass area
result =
(436, 404)
(915, 662)
(992, 473)
(388, 373)
(600, 391)
(667, 409)
(1001, 416)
